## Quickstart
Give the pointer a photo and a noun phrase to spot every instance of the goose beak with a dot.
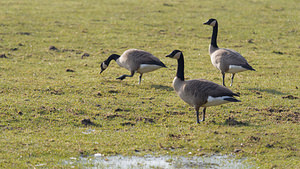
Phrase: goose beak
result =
(101, 71)
(205, 23)
(168, 56)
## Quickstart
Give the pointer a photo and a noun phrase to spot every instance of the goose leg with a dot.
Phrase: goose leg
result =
(124, 76)
(203, 114)
(232, 79)
(140, 78)
(223, 77)
(197, 114)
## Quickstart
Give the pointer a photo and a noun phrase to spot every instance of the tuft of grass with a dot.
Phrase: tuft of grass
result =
(54, 104)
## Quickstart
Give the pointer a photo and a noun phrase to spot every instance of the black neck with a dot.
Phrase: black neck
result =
(214, 36)
(111, 57)
(180, 68)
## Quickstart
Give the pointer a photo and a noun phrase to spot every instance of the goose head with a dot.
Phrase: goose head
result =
(103, 66)
(211, 22)
(175, 54)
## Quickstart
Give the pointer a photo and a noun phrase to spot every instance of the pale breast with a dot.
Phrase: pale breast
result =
(122, 62)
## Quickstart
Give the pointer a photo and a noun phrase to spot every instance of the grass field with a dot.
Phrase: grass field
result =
(48, 94)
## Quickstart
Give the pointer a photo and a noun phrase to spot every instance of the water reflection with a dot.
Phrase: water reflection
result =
(165, 162)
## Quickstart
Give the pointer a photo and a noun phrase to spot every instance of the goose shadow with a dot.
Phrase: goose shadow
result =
(162, 87)
(271, 91)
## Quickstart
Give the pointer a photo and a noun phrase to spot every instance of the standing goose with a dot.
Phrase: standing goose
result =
(199, 92)
(135, 61)
(226, 60)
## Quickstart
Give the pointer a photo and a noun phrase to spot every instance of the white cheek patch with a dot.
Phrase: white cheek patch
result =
(235, 69)
(213, 23)
(213, 101)
(104, 66)
(177, 55)
(144, 68)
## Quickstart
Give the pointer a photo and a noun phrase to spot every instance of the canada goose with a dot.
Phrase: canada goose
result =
(135, 61)
(199, 92)
(226, 60)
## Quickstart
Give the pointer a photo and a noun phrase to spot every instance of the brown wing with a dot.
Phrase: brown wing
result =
(201, 89)
(228, 57)
(137, 57)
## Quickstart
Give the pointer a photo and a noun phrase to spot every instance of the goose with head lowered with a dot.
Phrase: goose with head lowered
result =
(134, 60)
(226, 60)
(199, 92)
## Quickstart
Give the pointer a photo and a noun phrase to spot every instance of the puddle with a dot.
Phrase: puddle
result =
(163, 162)
(88, 131)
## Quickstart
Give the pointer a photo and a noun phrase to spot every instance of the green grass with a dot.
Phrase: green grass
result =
(42, 106)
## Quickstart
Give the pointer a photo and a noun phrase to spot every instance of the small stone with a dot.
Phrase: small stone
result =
(87, 122)
(118, 109)
(250, 41)
(24, 33)
(70, 70)
(85, 55)
(237, 150)
(53, 48)
(3, 56)
(290, 97)
(277, 52)
(113, 91)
